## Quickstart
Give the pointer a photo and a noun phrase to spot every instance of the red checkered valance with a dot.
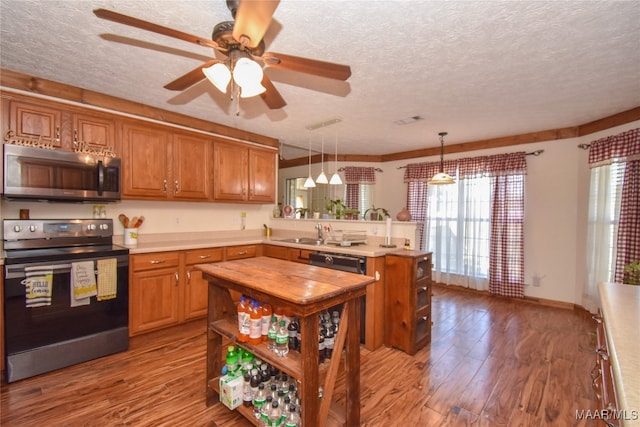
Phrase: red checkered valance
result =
(423, 172)
(359, 175)
(622, 147)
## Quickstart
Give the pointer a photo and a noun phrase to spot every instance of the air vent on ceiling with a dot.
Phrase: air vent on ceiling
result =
(408, 120)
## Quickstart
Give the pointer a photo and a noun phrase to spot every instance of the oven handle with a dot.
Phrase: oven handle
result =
(17, 271)
(14, 271)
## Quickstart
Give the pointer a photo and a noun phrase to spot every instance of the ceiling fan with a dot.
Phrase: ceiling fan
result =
(239, 40)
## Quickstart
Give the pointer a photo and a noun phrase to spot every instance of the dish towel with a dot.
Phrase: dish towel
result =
(107, 279)
(83, 277)
(38, 285)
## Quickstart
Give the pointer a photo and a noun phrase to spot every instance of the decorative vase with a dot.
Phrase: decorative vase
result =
(404, 215)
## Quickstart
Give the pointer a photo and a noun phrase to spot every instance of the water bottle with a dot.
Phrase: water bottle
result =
(275, 415)
(293, 418)
(282, 340)
(265, 410)
(247, 398)
(258, 400)
(271, 334)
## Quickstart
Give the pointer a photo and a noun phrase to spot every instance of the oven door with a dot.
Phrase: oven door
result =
(35, 336)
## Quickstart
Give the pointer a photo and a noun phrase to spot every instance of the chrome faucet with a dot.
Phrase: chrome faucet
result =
(320, 231)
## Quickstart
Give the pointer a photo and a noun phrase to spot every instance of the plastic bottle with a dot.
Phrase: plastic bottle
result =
(293, 418)
(232, 360)
(329, 342)
(254, 384)
(246, 361)
(255, 323)
(273, 330)
(247, 398)
(293, 334)
(265, 410)
(267, 312)
(258, 400)
(282, 340)
(243, 320)
(279, 313)
(275, 415)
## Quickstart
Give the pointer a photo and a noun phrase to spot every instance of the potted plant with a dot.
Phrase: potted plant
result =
(336, 207)
(303, 212)
(632, 273)
(376, 214)
(351, 213)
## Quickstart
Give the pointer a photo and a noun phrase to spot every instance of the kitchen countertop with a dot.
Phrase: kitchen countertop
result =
(620, 306)
(186, 241)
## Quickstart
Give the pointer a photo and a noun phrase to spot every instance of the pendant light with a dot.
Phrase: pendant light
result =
(322, 178)
(441, 177)
(309, 182)
(335, 178)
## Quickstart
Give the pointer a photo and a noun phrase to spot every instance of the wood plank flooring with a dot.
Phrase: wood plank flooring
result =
(492, 362)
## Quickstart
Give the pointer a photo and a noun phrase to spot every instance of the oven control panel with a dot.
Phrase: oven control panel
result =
(15, 229)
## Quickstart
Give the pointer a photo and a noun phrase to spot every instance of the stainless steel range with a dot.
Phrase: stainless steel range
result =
(65, 294)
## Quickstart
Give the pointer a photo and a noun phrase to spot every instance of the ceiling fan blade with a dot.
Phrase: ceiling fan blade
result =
(271, 96)
(252, 20)
(191, 78)
(155, 28)
(308, 66)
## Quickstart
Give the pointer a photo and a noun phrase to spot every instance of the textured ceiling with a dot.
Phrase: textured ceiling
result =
(477, 69)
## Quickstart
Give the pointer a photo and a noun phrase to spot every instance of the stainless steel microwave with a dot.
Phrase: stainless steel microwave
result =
(54, 175)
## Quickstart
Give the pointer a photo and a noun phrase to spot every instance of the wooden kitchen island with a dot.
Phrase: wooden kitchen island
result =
(305, 291)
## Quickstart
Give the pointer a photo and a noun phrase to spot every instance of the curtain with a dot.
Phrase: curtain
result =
(475, 228)
(613, 235)
(353, 177)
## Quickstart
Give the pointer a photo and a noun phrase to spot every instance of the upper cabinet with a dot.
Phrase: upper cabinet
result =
(161, 165)
(244, 173)
(61, 127)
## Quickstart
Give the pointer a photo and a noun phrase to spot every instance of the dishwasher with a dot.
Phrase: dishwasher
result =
(348, 263)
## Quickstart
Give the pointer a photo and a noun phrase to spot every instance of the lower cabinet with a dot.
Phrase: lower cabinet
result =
(602, 376)
(408, 300)
(290, 254)
(165, 289)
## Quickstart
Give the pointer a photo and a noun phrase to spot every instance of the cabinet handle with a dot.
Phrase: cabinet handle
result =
(177, 278)
(188, 277)
(244, 191)
(425, 318)
(597, 318)
(602, 353)
(164, 186)
(157, 261)
(424, 288)
(177, 186)
(75, 138)
(243, 253)
(57, 133)
(204, 256)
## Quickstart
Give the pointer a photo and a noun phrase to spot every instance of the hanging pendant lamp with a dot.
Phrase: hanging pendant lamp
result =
(441, 177)
(309, 182)
(322, 178)
(335, 178)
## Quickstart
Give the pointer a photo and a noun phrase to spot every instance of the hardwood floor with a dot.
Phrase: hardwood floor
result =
(492, 362)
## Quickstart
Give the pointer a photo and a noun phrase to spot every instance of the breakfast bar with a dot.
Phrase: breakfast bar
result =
(305, 291)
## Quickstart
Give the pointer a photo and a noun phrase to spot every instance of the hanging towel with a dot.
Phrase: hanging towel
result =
(107, 278)
(83, 277)
(38, 285)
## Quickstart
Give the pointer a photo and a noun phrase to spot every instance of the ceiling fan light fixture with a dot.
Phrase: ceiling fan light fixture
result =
(441, 177)
(252, 90)
(247, 73)
(219, 75)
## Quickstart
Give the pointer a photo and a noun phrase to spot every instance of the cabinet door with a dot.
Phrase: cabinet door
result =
(154, 300)
(97, 131)
(275, 251)
(196, 287)
(230, 172)
(36, 121)
(192, 164)
(145, 162)
(262, 176)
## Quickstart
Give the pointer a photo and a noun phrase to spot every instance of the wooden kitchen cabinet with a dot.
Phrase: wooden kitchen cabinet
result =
(166, 289)
(290, 254)
(243, 173)
(36, 120)
(160, 165)
(408, 300)
(154, 288)
(602, 381)
(196, 288)
(240, 251)
(99, 131)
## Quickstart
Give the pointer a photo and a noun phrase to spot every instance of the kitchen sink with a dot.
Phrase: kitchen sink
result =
(303, 241)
